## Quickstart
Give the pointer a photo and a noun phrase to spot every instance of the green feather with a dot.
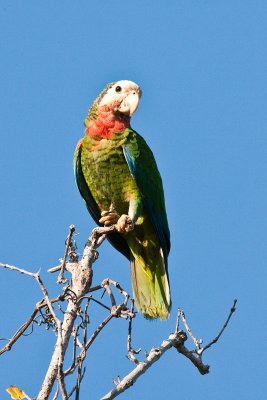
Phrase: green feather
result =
(121, 171)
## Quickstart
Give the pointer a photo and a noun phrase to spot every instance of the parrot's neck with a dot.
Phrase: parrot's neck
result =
(105, 122)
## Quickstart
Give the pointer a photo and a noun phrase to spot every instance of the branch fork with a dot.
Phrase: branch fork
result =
(80, 290)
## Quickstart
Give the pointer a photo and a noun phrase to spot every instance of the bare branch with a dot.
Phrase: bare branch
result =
(77, 386)
(98, 330)
(131, 352)
(196, 341)
(41, 304)
(175, 340)
(61, 278)
(20, 270)
(178, 320)
(81, 282)
(19, 332)
(232, 310)
(154, 355)
(81, 274)
(196, 360)
(115, 311)
(46, 297)
(97, 301)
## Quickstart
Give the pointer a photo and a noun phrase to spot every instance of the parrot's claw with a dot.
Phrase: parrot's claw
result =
(109, 218)
(125, 224)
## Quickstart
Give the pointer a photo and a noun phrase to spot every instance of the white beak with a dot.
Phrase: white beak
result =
(130, 103)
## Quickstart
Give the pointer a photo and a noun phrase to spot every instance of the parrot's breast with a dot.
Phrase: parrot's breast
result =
(107, 174)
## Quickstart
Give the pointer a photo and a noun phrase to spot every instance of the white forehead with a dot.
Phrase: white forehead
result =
(112, 94)
(126, 85)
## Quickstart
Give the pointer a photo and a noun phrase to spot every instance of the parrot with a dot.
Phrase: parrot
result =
(117, 176)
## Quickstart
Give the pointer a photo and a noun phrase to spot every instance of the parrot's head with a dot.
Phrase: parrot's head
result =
(112, 109)
(121, 97)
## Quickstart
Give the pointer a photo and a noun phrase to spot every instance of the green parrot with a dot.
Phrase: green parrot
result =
(118, 178)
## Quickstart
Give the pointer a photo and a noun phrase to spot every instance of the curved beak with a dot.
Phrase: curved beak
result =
(129, 105)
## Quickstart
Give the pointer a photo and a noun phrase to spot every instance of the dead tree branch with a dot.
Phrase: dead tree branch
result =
(131, 352)
(82, 275)
(154, 355)
(74, 321)
(39, 306)
(61, 278)
(176, 340)
(215, 340)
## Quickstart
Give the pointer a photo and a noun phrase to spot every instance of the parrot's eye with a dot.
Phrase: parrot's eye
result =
(118, 88)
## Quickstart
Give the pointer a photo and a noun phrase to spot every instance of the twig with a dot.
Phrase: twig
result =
(81, 356)
(196, 341)
(61, 278)
(121, 310)
(232, 310)
(97, 331)
(46, 297)
(38, 307)
(75, 344)
(20, 270)
(75, 387)
(106, 286)
(78, 384)
(41, 304)
(121, 290)
(131, 352)
(19, 332)
(90, 298)
(37, 277)
(178, 320)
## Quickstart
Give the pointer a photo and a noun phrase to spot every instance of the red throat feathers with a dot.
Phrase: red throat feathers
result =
(107, 122)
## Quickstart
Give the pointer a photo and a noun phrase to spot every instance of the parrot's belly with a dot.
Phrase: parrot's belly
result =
(108, 177)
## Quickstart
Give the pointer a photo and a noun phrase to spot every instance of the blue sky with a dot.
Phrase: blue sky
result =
(202, 68)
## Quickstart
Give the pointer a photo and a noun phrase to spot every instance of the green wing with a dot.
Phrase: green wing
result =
(144, 170)
(115, 239)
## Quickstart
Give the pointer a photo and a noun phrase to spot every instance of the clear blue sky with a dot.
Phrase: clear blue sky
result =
(202, 68)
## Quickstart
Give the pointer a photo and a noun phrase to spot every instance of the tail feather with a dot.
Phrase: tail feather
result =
(151, 287)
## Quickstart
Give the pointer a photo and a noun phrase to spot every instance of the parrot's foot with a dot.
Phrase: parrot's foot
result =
(109, 218)
(125, 224)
